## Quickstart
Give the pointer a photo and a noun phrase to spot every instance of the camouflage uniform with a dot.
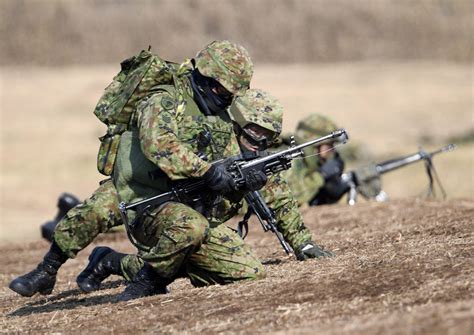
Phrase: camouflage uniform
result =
(303, 177)
(176, 239)
(164, 144)
(162, 138)
(81, 225)
(99, 213)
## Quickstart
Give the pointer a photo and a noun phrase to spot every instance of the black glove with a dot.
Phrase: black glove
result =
(311, 250)
(332, 168)
(219, 179)
(255, 180)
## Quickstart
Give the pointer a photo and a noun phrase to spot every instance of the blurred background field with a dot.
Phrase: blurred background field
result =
(395, 74)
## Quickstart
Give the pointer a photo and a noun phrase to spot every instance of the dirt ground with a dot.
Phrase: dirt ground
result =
(49, 134)
(404, 267)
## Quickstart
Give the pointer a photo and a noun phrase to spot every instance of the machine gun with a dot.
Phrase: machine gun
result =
(366, 180)
(193, 191)
(265, 215)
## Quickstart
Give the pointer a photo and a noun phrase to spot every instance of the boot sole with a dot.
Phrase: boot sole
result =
(46, 291)
(21, 290)
(25, 292)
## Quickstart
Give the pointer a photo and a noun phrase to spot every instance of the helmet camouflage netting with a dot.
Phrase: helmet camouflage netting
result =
(313, 126)
(260, 108)
(227, 63)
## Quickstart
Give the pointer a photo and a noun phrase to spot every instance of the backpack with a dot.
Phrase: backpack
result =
(137, 78)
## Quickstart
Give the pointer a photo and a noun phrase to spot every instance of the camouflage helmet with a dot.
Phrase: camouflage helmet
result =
(260, 108)
(227, 63)
(313, 126)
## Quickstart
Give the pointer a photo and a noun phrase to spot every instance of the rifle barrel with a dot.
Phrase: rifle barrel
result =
(296, 149)
(396, 163)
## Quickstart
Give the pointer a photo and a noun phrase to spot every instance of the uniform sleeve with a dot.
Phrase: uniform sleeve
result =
(158, 123)
(279, 197)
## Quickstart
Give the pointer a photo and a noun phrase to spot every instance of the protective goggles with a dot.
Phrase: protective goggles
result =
(258, 136)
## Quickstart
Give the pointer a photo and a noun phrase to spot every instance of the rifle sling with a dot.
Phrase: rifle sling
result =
(243, 226)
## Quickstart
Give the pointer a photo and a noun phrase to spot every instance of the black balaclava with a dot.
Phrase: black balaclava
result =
(209, 102)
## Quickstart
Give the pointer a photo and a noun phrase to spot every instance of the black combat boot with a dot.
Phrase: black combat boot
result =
(146, 283)
(66, 201)
(103, 262)
(43, 278)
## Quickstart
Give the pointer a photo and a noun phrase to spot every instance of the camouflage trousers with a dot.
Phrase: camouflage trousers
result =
(80, 226)
(182, 243)
(178, 241)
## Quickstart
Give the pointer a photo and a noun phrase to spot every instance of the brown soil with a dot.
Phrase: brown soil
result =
(403, 267)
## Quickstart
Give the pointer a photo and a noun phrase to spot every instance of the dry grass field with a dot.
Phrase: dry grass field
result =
(404, 267)
(62, 32)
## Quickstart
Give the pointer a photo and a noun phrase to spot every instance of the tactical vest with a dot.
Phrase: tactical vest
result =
(207, 136)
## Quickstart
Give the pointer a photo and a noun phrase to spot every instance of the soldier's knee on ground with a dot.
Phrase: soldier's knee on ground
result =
(180, 230)
(255, 271)
(260, 272)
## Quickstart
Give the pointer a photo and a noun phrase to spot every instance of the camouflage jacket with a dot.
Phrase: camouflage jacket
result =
(163, 147)
(304, 179)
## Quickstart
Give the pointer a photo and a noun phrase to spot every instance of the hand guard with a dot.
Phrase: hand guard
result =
(311, 250)
(255, 180)
(219, 179)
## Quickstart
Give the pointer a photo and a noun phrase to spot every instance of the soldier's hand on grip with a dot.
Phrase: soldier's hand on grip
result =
(255, 180)
(219, 179)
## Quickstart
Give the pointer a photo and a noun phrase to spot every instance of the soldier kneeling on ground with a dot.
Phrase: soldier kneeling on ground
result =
(199, 90)
(176, 240)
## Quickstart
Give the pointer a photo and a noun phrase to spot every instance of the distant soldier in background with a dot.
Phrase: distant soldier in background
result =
(316, 178)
